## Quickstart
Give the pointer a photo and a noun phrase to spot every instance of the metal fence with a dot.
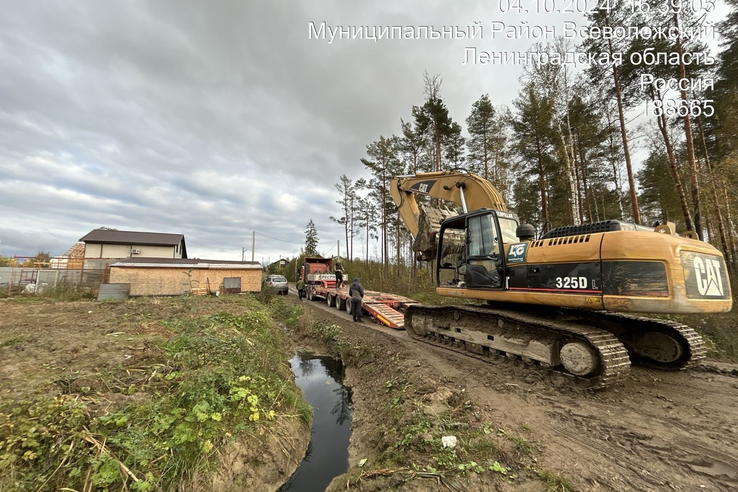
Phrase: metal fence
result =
(16, 280)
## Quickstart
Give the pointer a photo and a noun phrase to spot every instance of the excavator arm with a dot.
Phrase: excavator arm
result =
(470, 191)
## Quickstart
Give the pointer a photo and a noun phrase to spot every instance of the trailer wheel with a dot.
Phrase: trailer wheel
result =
(348, 305)
(330, 300)
(340, 303)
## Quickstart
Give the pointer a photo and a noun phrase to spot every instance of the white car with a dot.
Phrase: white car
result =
(278, 283)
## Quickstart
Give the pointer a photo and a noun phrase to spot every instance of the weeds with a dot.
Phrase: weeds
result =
(398, 387)
(326, 332)
(61, 292)
(12, 342)
(555, 482)
(417, 432)
(522, 444)
(225, 376)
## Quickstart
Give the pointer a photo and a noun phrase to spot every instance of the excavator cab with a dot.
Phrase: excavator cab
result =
(475, 242)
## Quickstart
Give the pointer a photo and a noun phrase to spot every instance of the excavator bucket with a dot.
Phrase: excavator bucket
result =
(429, 225)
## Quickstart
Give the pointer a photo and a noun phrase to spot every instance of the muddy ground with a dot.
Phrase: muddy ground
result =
(660, 431)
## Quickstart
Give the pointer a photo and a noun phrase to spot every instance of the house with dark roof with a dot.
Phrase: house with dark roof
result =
(106, 246)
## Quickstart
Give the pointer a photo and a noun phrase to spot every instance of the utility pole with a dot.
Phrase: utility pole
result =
(338, 249)
(253, 244)
(243, 250)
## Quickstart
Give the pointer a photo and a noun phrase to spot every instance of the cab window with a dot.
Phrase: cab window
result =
(483, 236)
(509, 230)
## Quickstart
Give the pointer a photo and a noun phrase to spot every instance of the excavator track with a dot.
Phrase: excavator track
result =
(466, 329)
(655, 343)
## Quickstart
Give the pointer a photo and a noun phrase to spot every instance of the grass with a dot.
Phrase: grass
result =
(522, 444)
(555, 482)
(12, 342)
(223, 377)
(417, 438)
(61, 292)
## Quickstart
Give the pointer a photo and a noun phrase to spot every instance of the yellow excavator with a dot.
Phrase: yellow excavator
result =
(564, 301)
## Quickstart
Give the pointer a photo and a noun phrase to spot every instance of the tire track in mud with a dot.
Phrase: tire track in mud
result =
(657, 431)
(668, 443)
(649, 457)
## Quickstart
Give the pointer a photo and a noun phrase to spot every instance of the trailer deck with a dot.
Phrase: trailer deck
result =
(385, 309)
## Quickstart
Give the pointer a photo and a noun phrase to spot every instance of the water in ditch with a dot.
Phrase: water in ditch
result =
(321, 382)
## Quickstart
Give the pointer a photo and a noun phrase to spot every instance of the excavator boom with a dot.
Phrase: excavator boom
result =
(469, 191)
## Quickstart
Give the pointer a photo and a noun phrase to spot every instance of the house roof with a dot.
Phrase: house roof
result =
(187, 263)
(76, 251)
(108, 236)
(105, 236)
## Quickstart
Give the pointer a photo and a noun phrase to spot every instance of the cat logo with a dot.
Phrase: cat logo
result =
(423, 186)
(516, 253)
(708, 277)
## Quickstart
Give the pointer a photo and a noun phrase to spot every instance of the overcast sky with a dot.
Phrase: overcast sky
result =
(213, 119)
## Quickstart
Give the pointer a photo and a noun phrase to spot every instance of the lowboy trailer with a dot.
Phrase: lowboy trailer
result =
(385, 309)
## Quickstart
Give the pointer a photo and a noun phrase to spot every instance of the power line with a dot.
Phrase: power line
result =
(276, 238)
(193, 242)
(334, 245)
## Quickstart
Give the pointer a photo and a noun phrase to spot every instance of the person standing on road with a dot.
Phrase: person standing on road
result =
(300, 288)
(356, 291)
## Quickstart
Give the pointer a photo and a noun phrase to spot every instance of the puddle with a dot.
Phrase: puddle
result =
(320, 379)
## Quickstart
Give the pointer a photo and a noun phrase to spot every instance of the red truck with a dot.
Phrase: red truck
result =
(320, 283)
(314, 271)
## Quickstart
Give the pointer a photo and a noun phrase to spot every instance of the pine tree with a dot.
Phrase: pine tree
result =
(347, 192)
(432, 119)
(384, 165)
(535, 141)
(412, 146)
(553, 83)
(610, 76)
(454, 146)
(366, 215)
(480, 125)
(311, 239)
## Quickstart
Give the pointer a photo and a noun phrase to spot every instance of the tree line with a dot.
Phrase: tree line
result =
(562, 152)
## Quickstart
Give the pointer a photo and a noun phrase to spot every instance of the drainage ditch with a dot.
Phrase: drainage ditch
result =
(321, 382)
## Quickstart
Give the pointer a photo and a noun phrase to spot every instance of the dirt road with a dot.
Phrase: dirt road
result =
(659, 431)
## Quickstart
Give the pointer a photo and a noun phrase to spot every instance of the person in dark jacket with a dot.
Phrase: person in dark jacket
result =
(356, 291)
(300, 288)
(339, 277)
